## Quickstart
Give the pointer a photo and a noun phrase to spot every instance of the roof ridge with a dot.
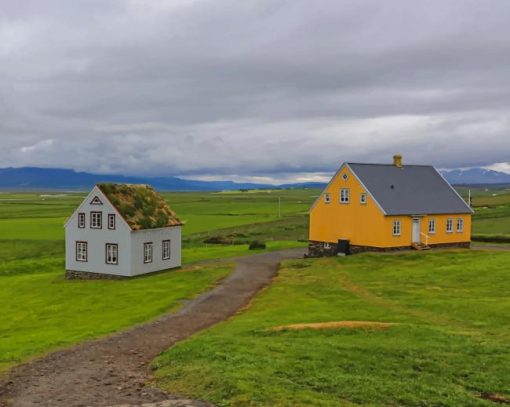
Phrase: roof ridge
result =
(391, 165)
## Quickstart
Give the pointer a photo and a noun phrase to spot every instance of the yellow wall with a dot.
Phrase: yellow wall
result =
(366, 225)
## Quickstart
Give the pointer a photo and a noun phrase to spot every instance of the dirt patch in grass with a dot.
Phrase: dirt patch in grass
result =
(495, 397)
(335, 325)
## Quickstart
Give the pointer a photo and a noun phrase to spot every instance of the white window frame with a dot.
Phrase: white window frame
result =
(432, 226)
(148, 251)
(82, 251)
(82, 220)
(345, 195)
(363, 198)
(112, 253)
(449, 225)
(166, 249)
(96, 220)
(327, 197)
(460, 225)
(111, 221)
(397, 227)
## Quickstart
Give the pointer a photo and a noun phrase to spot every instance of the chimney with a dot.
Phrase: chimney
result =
(397, 160)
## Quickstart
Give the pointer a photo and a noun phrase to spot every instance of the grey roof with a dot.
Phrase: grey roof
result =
(410, 190)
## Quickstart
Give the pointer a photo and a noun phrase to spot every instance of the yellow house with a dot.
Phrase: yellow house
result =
(387, 207)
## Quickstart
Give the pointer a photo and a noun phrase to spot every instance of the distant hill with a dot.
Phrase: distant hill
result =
(476, 176)
(31, 178)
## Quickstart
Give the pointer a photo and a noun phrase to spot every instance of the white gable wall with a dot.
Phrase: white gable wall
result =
(98, 238)
(130, 243)
(156, 236)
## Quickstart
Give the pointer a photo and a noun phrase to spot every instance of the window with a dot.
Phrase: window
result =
(96, 201)
(396, 228)
(460, 225)
(147, 252)
(327, 198)
(112, 253)
(344, 195)
(345, 177)
(111, 221)
(81, 220)
(449, 225)
(96, 220)
(363, 198)
(166, 249)
(81, 251)
(432, 226)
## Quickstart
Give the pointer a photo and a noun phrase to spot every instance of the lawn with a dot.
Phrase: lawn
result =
(449, 343)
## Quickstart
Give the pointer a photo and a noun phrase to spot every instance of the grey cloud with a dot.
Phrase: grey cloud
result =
(252, 88)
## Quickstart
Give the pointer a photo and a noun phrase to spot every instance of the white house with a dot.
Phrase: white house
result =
(122, 230)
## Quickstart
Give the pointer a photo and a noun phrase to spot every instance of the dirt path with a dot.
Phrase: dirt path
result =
(114, 370)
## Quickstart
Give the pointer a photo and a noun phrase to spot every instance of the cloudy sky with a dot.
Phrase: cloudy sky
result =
(259, 90)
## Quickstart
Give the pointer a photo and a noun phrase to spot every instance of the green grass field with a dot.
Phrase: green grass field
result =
(448, 307)
(42, 311)
(450, 342)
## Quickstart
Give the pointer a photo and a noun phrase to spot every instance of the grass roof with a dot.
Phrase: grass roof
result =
(140, 205)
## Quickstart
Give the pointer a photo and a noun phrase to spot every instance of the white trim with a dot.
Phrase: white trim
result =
(461, 222)
(433, 221)
(456, 193)
(345, 196)
(363, 198)
(451, 222)
(395, 222)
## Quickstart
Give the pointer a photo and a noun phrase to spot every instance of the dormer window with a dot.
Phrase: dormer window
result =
(111, 221)
(96, 220)
(344, 195)
(81, 220)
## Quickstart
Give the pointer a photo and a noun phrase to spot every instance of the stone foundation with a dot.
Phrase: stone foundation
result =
(85, 275)
(362, 249)
(319, 249)
(461, 245)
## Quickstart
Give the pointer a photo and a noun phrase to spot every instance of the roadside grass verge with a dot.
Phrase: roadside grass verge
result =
(450, 341)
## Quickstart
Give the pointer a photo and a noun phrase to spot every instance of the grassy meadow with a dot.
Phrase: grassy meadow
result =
(42, 311)
(446, 342)
(447, 311)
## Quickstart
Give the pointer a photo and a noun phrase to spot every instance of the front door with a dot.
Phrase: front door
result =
(416, 230)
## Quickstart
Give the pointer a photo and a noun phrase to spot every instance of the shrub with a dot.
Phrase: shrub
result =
(219, 240)
(491, 238)
(257, 244)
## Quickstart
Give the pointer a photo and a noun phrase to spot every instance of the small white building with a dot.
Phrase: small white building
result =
(122, 230)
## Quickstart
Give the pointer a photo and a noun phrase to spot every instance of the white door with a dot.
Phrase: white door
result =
(416, 230)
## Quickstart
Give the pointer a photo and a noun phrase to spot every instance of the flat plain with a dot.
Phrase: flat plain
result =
(448, 308)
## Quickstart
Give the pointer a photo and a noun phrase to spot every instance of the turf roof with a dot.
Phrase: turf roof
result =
(140, 205)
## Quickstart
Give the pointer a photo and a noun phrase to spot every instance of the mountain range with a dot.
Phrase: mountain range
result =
(33, 178)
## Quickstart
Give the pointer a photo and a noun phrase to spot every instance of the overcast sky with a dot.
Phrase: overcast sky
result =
(259, 90)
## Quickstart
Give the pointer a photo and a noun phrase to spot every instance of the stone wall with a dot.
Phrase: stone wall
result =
(318, 249)
(85, 275)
